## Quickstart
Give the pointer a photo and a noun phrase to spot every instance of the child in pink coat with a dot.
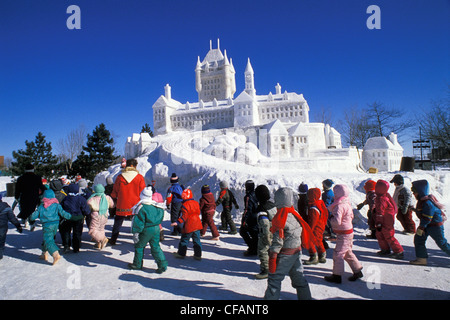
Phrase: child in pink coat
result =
(341, 222)
(385, 210)
(100, 203)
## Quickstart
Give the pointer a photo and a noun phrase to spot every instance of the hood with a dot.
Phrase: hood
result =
(340, 190)
(73, 188)
(422, 187)
(284, 197)
(49, 194)
(209, 197)
(314, 194)
(369, 185)
(381, 187)
(56, 185)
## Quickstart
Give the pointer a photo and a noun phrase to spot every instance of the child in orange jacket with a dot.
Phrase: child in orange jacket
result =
(191, 225)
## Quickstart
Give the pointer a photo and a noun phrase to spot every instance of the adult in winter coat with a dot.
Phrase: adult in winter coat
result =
(341, 222)
(71, 231)
(191, 225)
(266, 211)
(432, 218)
(290, 234)
(385, 209)
(6, 215)
(369, 187)
(227, 199)
(208, 209)
(127, 188)
(145, 228)
(27, 191)
(317, 219)
(403, 198)
(50, 212)
(174, 202)
(249, 224)
(100, 203)
(57, 187)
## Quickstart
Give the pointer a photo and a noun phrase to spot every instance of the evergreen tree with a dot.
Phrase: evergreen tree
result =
(97, 155)
(37, 152)
(146, 128)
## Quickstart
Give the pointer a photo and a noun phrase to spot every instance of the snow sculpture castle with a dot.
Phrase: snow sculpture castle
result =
(281, 118)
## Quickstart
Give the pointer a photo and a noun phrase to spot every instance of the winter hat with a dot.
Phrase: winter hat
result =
(206, 189)
(303, 188)
(146, 194)
(174, 178)
(223, 184)
(327, 184)
(29, 168)
(381, 187)
(99, 188)
(109, 180)
(187, 194)
(49, 194)
(369, 185)
(262, 193)
(73, 188)
(398, 179)
(249, 185)
(82, 183)
(284, 197)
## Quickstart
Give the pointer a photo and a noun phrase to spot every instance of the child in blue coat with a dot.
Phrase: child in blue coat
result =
(6, 214)
(50, 213)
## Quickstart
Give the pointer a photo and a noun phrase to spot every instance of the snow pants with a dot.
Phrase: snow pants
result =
(149, 235)
(250, 236)
(97, 226)
(175, 210)
(3, 231)
(437, 234)
(318, 242)
(49, 232)
(288, 265)
(208, 221)
(407, 221)
(264, 241)
(184, 241)
(227, 220)
(343, 253)
(71, 232)
(387, 241)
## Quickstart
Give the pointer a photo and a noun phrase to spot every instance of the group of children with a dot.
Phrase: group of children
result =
(275, 231)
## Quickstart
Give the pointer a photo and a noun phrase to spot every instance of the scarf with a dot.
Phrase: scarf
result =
(279, 222)
(103, 204)
(47, 202)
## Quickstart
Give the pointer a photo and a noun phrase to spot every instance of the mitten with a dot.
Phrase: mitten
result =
(77, 217)
(272, 261)
(19, 228)
(359, 206)
(420, 231)
(135, 238)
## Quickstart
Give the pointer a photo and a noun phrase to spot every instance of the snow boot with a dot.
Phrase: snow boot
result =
(384, 253)
(179, 256)
(333, 278)
(44, 256)
(356, 276)
(161, 270)
(56, 257)
(419, 262)
(262, 275)
(313, 259)
(398, 255)
(103, 243)
(134, 267)
(323, 257)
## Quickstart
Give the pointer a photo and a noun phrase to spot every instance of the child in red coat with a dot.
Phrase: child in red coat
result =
(317, 220)
(385, 210)
(190, 219)
(208, 209)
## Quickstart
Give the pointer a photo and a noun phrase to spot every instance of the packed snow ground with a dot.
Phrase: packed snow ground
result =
(224, 273)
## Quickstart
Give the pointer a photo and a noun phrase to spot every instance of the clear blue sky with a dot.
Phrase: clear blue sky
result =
(53, 79)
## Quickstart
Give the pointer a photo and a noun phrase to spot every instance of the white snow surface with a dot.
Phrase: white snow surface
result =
(224, 273)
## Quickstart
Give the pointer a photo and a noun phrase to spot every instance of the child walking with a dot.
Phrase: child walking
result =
(208, 209)
(50, 212)
(190, 219)
(145, 228)
(227, 199)
(432, 218)
(403, 198)
(341, 222)
(385, 210)
(100, 203)
(317, 219)
(369, 187)
(6, 214)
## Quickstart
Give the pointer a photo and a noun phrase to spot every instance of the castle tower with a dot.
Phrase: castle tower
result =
(249, 80)
(215, 76)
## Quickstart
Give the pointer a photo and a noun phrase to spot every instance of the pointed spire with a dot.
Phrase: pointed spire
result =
(227, 63)
(210, 44)
(249, 68)
(199, 64)
(218, 43)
